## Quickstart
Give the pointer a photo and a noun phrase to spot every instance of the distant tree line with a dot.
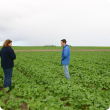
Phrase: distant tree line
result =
(49, 45)
(53, 45)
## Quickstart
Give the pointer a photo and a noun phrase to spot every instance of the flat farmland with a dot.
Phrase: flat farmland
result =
(58, 48)
(38, 82)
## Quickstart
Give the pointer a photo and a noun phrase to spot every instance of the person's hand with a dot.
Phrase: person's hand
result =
(61, 58)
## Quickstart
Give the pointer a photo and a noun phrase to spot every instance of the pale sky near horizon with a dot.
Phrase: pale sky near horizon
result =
(46, 22)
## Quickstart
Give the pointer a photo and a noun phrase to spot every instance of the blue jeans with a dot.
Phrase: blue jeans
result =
(8, 76)
(65, 67)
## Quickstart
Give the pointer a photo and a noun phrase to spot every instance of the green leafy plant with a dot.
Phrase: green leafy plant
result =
(39, 81)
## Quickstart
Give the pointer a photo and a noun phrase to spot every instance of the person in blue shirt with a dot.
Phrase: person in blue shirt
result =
(65, 58)
(7, 56)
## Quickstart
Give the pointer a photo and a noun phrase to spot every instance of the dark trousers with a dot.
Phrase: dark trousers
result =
(8, 76)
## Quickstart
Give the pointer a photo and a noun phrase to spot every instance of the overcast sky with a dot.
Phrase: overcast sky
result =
(46, 22)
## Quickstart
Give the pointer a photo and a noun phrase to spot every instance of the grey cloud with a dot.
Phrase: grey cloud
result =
(46, 22)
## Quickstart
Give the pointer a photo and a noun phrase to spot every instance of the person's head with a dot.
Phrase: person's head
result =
(7, 43)
(63, 42)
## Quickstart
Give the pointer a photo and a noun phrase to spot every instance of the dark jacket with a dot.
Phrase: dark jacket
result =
(65, 55)
(7, 56)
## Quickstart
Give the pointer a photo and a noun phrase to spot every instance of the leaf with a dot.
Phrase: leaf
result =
(2, 104)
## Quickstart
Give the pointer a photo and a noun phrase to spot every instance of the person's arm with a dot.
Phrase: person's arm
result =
(12, 54)
(0, 53)
(65, 53)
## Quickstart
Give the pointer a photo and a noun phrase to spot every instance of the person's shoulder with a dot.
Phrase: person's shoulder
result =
(4, 48)
(9, 48)
(67, 46)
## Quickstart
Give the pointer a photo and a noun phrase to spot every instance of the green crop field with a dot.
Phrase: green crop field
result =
(39, 82)
(54, 47)
(47, 47)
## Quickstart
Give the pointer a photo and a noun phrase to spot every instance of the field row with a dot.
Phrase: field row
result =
(39, 81)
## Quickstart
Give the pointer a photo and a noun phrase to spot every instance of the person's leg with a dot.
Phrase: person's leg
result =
(65, 67)
(8, 76)
(5, 78)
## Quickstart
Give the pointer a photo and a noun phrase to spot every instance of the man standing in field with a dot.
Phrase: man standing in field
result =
(65, 58)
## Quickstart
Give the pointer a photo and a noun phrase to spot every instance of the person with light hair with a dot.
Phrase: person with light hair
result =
(7, 56)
